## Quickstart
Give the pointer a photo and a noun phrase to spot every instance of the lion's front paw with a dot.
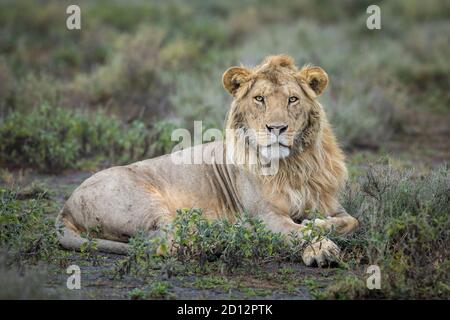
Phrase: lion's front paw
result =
(320, 223)
(321, 253)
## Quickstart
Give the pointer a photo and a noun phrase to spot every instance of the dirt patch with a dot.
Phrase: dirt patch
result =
(99, 282)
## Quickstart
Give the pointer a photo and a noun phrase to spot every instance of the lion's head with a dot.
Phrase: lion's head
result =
(274, 106)
(275, 115)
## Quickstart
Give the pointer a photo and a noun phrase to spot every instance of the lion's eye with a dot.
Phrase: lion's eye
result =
(293, 99)
(259, 98)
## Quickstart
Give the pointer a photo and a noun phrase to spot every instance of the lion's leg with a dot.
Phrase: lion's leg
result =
(279, 223)
(341, 222)
(319, 250)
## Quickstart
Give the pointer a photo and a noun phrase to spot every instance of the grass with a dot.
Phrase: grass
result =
(157, 290)
(213, 282)
(28, 243)
(405, 225)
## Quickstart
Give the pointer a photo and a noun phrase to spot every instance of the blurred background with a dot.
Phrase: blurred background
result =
(112, 92)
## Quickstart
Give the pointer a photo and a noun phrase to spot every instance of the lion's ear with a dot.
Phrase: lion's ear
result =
(234, 77)
(315, 77)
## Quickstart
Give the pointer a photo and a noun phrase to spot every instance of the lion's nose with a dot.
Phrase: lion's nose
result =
(277, 128)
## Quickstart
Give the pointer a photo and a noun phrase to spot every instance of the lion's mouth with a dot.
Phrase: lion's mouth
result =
(284, 145)
(274, 151)
(274, 145)
(257, 143)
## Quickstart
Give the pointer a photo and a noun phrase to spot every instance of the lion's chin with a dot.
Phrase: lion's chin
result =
(274, 152)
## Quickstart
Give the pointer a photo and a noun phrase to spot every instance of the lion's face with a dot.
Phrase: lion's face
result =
(276, 116)
(274, 105)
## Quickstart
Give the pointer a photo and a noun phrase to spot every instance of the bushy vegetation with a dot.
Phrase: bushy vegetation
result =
(202, 245)
(405, 224)
(50, 139)
(28, 243)
(246, 242)
(27, 232)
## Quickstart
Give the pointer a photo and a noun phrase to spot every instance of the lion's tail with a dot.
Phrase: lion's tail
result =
(71, 240)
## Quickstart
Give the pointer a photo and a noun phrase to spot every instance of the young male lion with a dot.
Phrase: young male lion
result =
(275, 119)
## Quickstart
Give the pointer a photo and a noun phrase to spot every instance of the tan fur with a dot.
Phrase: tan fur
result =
(313, 175)
(311, 168)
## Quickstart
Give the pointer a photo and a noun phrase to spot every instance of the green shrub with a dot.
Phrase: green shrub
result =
(33, 91)
(243, 243)
(404, 229)
(52, 139)
(199, 244)
(26, 232)
(173, 65)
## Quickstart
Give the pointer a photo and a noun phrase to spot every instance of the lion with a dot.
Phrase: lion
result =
(275, 117)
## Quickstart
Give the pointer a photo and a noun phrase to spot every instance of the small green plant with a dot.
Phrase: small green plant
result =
(211, 282)
(142, 259)
(348, 287)
(137, 294)
(157, 290)
(286, 271)
(88, 249)
(315, 287)
(256, 292)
